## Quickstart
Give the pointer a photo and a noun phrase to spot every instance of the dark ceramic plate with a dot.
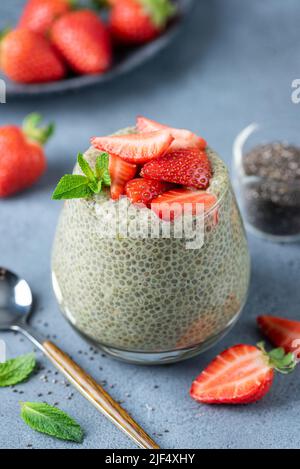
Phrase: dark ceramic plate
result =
(124, 62)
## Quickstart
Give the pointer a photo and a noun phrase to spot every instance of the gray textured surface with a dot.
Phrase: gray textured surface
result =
(233, 63)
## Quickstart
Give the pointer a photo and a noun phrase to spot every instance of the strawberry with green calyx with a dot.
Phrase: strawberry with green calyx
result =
(39, 15)
(77, 186)
(82, 39)
(139, 21)
(281, 332)
(28, 57)
(240, 375)
(22, 158)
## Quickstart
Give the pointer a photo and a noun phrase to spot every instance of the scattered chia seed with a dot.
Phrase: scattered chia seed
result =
(272, 197)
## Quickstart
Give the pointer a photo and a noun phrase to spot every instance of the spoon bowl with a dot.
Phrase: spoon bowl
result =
(15, 300)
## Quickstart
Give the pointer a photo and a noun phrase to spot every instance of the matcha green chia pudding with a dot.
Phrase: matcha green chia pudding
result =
(142, 298)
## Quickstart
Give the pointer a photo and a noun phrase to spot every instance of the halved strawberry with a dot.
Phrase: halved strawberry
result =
(136, 148)
(240, 375)
(281, 332)
(176, 202)
(144, 190)
(183, 138)
(190, 168)
(120, 172)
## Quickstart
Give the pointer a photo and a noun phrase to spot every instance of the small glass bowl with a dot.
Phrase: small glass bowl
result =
(270, 207)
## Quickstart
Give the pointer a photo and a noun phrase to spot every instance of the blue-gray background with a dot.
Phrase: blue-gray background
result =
(233, 63)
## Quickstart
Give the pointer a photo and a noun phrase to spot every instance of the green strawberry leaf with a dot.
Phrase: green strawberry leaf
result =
(51, 421)
(33, 131)
(160, 11)
(16, 370)
(72, 186)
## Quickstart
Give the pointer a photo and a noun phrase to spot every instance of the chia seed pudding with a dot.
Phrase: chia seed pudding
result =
(151, 300)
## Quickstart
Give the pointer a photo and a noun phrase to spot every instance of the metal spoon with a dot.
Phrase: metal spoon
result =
(15, 307)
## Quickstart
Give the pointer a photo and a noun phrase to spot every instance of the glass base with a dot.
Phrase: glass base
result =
(270, 237)
(163, 358)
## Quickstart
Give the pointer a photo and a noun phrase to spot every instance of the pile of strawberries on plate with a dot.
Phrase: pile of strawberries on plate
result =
(56, 38)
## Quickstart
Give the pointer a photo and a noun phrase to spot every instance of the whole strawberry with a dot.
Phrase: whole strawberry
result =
(39, 15)
(28, 57)
(22, 158)
(139, 21)
(83, 40)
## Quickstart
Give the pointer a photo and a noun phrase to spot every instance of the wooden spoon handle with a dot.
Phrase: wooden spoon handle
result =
(97, 396)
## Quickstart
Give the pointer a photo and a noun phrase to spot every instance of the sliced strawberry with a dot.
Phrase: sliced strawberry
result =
(190, 168)
(183, 138)
(144, 190)
(240, 375)
(176, 202)
(136, 148)
(120, 172)
(281, 332)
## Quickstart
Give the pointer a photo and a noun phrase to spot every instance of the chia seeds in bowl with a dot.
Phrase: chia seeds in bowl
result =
(150, 300)
(267, 177)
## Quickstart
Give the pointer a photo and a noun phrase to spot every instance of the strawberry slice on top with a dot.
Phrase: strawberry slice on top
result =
(240, 375)
(183, 138)
(143, 191)
(136, 148)
(281, 332)
(176, 202)
(120, 172)
(190, 168)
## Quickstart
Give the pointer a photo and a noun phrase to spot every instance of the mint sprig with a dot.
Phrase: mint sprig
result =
(76, 186)
(16, 370)
(50, 420)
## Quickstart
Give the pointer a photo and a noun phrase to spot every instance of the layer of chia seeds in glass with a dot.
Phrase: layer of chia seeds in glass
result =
(272, 192)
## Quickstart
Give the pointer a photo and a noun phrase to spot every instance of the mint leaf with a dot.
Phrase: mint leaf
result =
(77, 186)
(16, 370)
(102, 171)
(85, 167)
(72, 186)
(51, 420)
(96, 186)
